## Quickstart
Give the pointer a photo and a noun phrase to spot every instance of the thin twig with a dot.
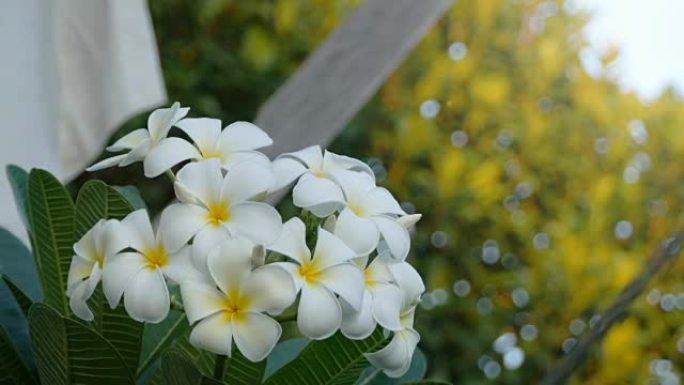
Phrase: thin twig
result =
(562, 371)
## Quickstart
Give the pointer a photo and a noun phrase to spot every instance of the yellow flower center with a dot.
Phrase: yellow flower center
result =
(357, 209)
(218, 214)
(309, 271)
(212, 153)
(99, 258)
(235, 307)
(156, 257)
(368, 278)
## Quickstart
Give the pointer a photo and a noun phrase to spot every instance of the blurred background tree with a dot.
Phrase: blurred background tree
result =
(543, 189)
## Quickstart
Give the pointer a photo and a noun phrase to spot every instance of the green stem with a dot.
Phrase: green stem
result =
(287, 318)
(219, 367)
(169, 174)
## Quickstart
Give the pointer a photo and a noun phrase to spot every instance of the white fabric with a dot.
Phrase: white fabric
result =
(78, 70)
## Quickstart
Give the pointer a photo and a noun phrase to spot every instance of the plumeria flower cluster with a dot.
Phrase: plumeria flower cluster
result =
(338, 266)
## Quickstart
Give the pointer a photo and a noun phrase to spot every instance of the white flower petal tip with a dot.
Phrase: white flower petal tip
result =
(395, 358)
(410, 220)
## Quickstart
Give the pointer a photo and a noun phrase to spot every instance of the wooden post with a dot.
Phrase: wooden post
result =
(314, 105)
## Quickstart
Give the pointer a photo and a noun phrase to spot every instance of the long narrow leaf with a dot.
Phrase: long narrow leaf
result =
(98, 201)
(22, 299)
(13, 371)
(241, 371)
(51, 214)
(68, 352)
(158, 337)
(336, 360)
(177, 369)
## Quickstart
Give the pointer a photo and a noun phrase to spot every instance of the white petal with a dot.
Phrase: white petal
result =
(168, 153)
(139, 230)
(78, 271)
(146, 297)
(200, 300)
(179, 222)
(395, 358)
(409, 282)
(286, 171)
(256, 335)
(292, 269)
(118, 271)
(85, 248)
(205, 240)
(214, 334)
(243, 136)
(360, 234)
(319, 314)
(269, 289)
(357, 325)
(378, 271)
(380, 201)
(130, 140)
(331, 250)
(94, 279)
(106, 163)
(354, 184)
(238, 158)
(180, 267)
(203, 131)
(78, 301)
(112, 238)
(137, 154)
(245, 182)
(312, 157)
(410, 220)
(321, 196)
(292, 241)
(395, 235)
(160, 121)
(345, 280)
(333, 162)
(230, 264)
(199, 181)
(387, 300)
(257, 221)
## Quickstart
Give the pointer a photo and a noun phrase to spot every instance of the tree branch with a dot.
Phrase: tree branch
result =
(562, 371)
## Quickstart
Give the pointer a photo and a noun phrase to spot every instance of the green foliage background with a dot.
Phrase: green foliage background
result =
(549, 156)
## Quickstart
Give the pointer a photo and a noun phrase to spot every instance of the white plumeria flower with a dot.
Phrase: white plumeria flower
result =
(319, 278)
(230, 305)
(141, 275)
(315, 191)
(367, 215)
(96, 246)
(381, 304)
(235, 144)
(142, 141)
(395, 358)
(214, 208)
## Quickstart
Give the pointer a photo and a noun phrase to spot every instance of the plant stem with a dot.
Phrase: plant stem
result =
(286, 318)
(219, 367)
(172, 177)
(562, 371)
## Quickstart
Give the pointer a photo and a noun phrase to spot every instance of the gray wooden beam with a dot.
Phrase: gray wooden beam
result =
(337, 80)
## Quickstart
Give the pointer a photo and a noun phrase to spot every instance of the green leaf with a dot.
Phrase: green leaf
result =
(18, 180)
(51, 214)
(177, 369)
(97, 201)
(13, 371)
(336, 360)
(158, 337)
(284, 353)
(68, 352)
(17, 262)
(20, 297)
(132, 195)
(427, 382)
(416, 372)
(241, 371)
